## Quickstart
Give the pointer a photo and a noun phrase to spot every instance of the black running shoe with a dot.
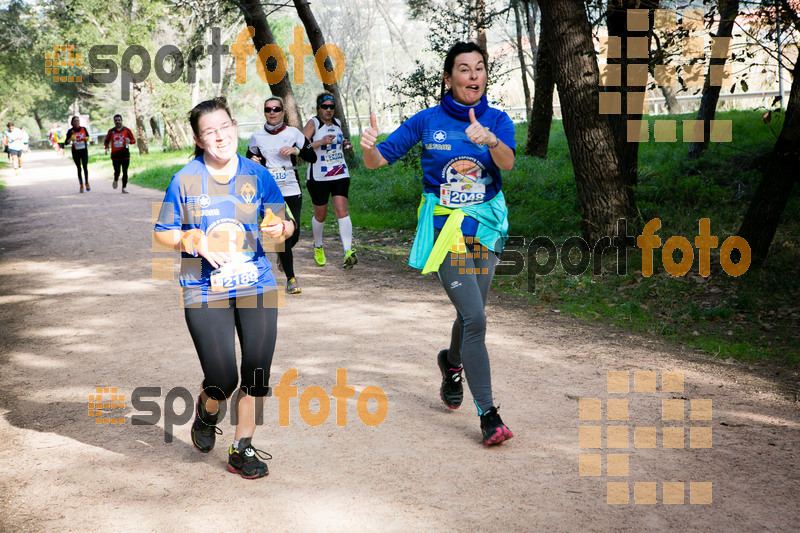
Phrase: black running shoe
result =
(246, 462)
(204, 428)
(493, 429)
(452, 390)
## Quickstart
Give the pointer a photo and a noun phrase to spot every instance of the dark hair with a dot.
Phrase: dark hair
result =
(9, 124)
(321, 98)
(118, 115)
(458, 49)
(73, 118)
(278, 98)
(204, 108)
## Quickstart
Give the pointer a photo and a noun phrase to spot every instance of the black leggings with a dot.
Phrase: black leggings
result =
(123, 164)
(81, 157)
(295, 205)
(467, 286)
(212, 331)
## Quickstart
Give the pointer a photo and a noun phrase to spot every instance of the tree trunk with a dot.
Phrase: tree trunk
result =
(355, 114)
(671, 99)
(394, 32)
(480, 24)
(154, 127)
(174, 137)
(38, 120)
(254, 17)
(317, 40)
(618, 27)
(765, 210)
(603, 196)
(521, 54)
(728, 9)
(141, 132)
(542, 111)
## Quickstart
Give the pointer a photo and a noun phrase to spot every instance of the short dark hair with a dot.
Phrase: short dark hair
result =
(204, 108)
(458, 49)
(118, 115)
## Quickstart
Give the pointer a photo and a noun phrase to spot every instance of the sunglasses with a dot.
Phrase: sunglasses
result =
(276, 109)
(327, 106)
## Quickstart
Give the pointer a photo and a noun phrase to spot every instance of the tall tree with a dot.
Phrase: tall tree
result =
(521, 56)
(479, 31)
(542, 111)
(634, 35)
(317, 41)
(262, 35)
(727, 9)
(603, 195)
(780, 175)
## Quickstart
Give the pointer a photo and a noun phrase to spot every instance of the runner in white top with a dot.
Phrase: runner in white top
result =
(276, 146)
(16, 141)
(329, 177)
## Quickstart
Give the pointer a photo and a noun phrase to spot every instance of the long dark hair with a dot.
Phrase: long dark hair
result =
(204, 108)
(456, 50)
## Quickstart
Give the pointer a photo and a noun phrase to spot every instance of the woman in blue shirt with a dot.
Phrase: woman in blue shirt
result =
(463, 214)
(211, 213)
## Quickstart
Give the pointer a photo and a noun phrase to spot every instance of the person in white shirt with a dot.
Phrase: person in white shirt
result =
(277, 146)
(16, 141)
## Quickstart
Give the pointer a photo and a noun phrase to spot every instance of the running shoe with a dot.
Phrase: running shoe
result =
(246, 460)
(292, 287)
(114, 184)
(124, 190)
(87, 187)
(493, 429)
(204, 428)
(319, 256)
(350, 259)
(81, 187)
(452, 390)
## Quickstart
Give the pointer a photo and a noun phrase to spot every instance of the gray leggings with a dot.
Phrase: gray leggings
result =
(468, 292)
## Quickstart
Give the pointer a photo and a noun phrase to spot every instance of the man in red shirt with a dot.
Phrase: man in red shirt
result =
(119, 137)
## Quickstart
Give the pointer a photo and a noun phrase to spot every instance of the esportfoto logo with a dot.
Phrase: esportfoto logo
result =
(169, 62)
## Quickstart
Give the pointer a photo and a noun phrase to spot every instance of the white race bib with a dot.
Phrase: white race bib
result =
(119, 143)
(335, 156)
(461, 194)
(79, 145)
(278, 173)
(234, 275)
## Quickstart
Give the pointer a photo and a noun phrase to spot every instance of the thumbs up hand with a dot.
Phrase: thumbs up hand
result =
(370, 135)
(477, 133)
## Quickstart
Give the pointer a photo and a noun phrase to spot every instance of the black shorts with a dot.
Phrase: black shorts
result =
(12, 153)
(321, 191)
(61, 145)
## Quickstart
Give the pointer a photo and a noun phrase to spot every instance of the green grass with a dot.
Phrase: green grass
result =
(4, 163)
(751, 318)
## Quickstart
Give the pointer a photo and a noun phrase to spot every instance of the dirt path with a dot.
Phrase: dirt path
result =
(80, 309)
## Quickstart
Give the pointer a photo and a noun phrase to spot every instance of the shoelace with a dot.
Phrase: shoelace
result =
(252, 451)
(208, 427)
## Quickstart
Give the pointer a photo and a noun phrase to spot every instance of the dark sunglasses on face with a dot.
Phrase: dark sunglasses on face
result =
(327, 106)
(276, 109)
